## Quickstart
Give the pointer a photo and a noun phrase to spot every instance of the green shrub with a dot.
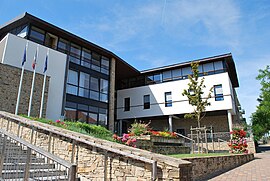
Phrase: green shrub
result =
(84, 128)
(140, 128)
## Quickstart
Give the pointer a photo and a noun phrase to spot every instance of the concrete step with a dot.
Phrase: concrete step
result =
(40, 173)
(50, 178)
(21, 166)
(23, 160)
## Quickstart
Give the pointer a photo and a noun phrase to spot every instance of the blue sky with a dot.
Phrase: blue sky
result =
(151, 33)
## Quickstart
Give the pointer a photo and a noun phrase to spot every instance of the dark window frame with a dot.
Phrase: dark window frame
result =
(146, 101)
(168, 103)
(218, 97)
(127, 104)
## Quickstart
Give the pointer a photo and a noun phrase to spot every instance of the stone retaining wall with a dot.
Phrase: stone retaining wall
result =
(204, 167)
(93, 162)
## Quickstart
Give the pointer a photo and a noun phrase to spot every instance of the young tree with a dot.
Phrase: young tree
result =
(195, 93)
(261, 118)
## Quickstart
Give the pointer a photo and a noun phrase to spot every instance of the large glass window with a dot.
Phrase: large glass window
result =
(105, 65)
(86, 58)
(219, 67)
(104, 90)
(208, 68)
(167, 75)
(177, 74)
(63, 45)
(93, 117)
(186, 71)
(146, 101)
(72, 86)
(95, 62)
(94, 84)
(84, 80)
(102, 116)
(72, 77)
(75, 50)
(37, 35)
(127, 104)
(218, 92)
(168, 99)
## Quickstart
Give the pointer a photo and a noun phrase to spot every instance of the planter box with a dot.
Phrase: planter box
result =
(163, 145)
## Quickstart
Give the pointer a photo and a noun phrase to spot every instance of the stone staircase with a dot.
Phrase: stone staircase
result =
(14, 163)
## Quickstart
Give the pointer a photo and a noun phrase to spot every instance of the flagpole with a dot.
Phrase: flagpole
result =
(44, 85)
(21, 80)
(33, 83)
(42, 96)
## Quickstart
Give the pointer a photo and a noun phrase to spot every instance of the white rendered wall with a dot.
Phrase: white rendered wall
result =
(2, 48)
(180, 103)
(56, 69)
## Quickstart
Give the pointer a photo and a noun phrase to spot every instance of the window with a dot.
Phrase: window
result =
(84, 80)
(105, 65)
(167, 75)
(186, 71)
(72, 82)
(157, 78)
(168, 99)
(127, 104)
(37, 35)
(75, 51)
(146, 101)
(218, 92)
(176, 74)
(86, 58)
(94, 84)
(219, 68)
(102, 116)
(209, 68)
(93, 117)
(104, 85)
(51, 40)
(153, 79)
(95, 62)
(63, 46)
(72, 77)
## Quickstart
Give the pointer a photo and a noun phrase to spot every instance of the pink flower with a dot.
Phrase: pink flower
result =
(58, 121)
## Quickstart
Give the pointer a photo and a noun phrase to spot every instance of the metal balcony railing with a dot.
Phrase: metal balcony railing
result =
(20, 160)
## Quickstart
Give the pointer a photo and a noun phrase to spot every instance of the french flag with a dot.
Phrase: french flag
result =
(34, 61)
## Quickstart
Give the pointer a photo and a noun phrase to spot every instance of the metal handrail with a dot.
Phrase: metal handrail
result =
(72, 167)
(178, 134)
(93, 144)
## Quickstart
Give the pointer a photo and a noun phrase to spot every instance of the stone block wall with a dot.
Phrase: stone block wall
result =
(9, 81)
(95, 163)
(205, 167)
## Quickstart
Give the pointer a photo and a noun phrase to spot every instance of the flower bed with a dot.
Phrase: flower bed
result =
(238, 142)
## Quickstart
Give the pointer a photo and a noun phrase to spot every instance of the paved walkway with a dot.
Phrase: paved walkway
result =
(257, 169)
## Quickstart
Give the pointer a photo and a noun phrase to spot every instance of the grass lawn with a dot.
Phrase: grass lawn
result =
(198, 155)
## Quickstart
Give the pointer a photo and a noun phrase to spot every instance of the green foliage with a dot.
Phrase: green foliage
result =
(139, 128)
(195, 93)
(84, 128)
(261, 118)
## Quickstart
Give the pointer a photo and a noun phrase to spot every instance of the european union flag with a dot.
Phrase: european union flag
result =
(24, 57)
(46, 64)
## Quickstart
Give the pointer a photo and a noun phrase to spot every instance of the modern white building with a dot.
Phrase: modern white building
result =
(156, 96)
(91, 84)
